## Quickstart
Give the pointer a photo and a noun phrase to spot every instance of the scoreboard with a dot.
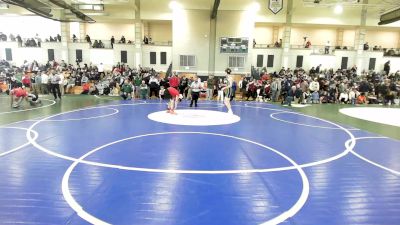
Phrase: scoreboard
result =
(234, 45)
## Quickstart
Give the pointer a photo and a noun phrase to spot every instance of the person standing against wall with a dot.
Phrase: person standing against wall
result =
(327, 46)
(386, 67)
(112, 41)
(210, 87)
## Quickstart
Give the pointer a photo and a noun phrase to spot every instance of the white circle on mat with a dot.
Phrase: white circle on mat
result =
(192, 117)
(388, 116)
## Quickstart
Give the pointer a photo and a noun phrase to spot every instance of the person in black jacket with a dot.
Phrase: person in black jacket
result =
(386, 67)
(112, 41)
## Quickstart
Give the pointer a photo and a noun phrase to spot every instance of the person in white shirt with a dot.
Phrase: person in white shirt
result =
(327, 46)
(195, 87)
(100, 69)
(314, 85)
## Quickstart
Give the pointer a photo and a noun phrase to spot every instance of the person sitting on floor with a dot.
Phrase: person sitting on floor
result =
(85, 88)
(361, 99)
(126, 90)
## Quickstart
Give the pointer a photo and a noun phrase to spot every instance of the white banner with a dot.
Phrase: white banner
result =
(275, 5)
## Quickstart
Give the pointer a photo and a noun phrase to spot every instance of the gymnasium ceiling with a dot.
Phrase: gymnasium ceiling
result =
(305, 11)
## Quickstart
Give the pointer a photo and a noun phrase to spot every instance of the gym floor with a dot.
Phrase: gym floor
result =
(99, 160)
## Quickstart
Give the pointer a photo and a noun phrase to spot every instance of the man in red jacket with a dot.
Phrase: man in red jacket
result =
(174, 81)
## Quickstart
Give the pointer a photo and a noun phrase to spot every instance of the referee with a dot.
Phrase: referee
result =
(195, 88)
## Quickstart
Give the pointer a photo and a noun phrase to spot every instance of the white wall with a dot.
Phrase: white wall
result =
(85, 47)
(146, 49)
(325, 15)
(277, 52)
(57, 47)
(263, 34)
(386, 39)
(105, 56)
(191, 30)
(160, 31)
(131, 51)
(29, 26)
(104, 31)
(234, 24)
(317, 36)
(349, 37)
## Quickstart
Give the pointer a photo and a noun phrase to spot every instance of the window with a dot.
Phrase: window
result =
(236, 61)
(50, 54)
(79, 55)
(299, 61)
(372, 62)
(270, 61)
(260, 60)
(187, 60)
(153, 58)
(163, 57)
(8, 54)
(124, 56)
(345, 60)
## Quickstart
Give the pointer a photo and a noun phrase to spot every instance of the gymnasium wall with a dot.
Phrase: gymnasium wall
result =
(146, 49)
(161, 31)
(104, 31)
(349, 37)
(317, 36)
(191, 30)
(263, 34)
(234, 24)
(29, 26)
(384, 38)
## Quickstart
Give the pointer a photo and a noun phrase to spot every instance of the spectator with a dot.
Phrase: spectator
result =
(122, 41)
(143, 90)
(87, 38)
(308, 44)
(366, 46)
(327, 46)
(386, 67)
(112, 41)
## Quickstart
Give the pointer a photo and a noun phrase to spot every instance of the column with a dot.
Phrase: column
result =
(286, 34)
(213, 41)
(138, 35)
(275, 34)
(360, 40)
(82, 32)
(339, 37)
(398, 42)
(65, 36)
(146, 28)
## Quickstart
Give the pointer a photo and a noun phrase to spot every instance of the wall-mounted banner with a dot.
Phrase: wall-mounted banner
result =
(275, 5)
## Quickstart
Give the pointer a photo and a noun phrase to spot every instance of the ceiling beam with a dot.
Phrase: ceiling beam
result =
(390, 17)
(215, 9)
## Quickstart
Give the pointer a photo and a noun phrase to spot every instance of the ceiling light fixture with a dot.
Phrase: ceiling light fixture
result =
(174, 5)
(256, 6)
(338, 9)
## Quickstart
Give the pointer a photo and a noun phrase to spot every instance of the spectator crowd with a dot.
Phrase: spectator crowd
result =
(286, 86)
